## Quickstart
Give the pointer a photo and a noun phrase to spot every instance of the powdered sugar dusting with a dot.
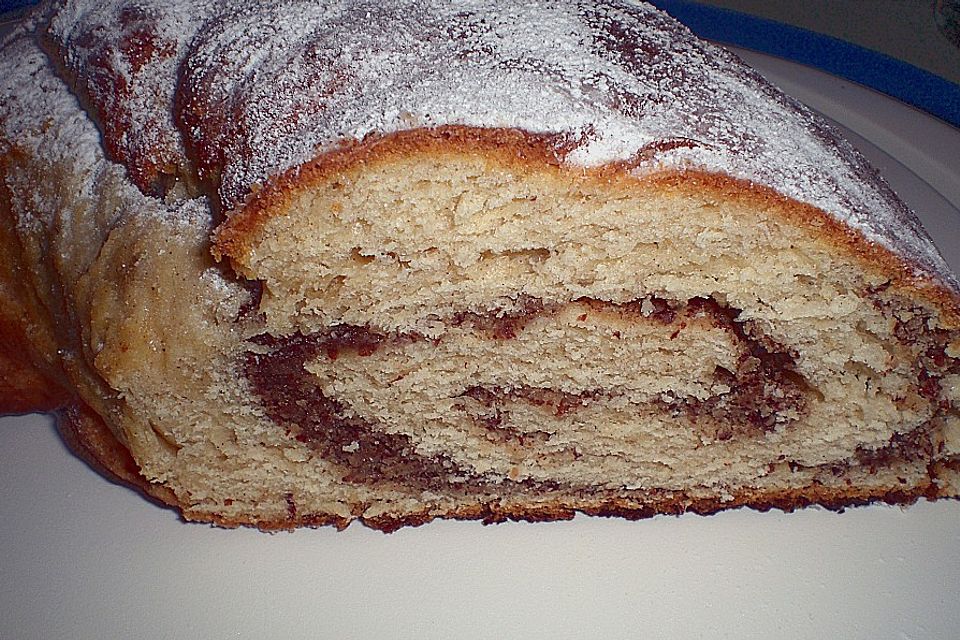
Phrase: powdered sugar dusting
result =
(34, 102)
(258, 89)
(88, 195)
(124, 58)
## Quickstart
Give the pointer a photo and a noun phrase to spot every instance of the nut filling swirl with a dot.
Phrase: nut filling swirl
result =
(759, 393)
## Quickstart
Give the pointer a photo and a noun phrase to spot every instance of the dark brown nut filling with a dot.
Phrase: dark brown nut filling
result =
(765, 392)
(292, 400)
(765, 389)
(921, 443)
(929, 346)
(503, 326)
(368, 455)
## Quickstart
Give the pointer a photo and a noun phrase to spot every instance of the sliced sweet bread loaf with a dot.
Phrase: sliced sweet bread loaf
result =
(301, 263)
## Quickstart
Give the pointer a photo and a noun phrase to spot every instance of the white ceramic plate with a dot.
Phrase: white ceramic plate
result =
(83, 558)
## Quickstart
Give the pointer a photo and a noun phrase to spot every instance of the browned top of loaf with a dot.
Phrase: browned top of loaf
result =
(237, 94)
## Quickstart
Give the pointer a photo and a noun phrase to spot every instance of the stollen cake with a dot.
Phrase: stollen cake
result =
(306, 262)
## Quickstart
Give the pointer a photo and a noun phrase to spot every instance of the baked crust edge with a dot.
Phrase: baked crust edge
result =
(90, 438)
(526, 152)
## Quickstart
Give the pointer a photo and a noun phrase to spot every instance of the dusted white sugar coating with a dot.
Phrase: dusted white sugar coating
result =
(262, 88)
(94, 196)
(32, 100)
(125, 57)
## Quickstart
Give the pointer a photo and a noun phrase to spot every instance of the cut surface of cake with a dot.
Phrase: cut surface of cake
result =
(302, 263)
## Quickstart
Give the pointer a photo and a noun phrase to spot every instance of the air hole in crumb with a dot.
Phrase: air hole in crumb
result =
(359, 257)
(531, 255)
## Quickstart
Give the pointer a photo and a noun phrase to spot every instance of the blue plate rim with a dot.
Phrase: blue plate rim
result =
(905, 82)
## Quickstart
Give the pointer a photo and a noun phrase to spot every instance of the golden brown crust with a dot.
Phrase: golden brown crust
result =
(509, 146)
(115, 100)
(525, 152)
(92, 440)
(787, 500)
(23, 389)
(24, 386)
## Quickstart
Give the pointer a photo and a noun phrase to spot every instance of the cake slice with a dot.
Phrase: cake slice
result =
(303, 263)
